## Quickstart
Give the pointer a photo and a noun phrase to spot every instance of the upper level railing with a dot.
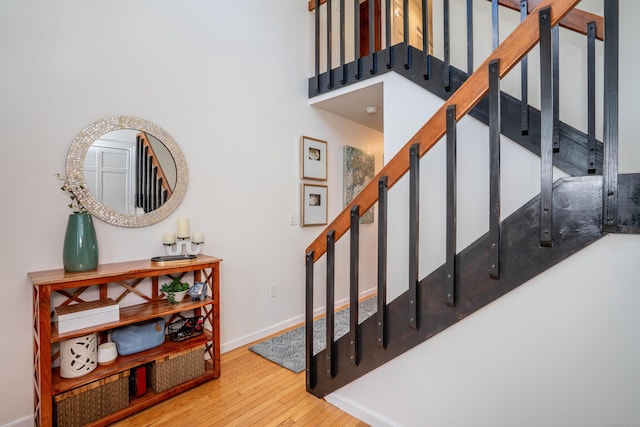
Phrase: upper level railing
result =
(340, 29)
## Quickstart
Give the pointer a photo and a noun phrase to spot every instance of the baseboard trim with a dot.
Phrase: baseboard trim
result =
(275, 328)
(21, 422)
(358, 411)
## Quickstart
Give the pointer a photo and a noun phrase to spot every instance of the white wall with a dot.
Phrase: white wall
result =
(520, 177)
(561, 350)
(200, 70)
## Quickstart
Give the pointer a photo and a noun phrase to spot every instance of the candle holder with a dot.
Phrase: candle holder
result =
(183, 246)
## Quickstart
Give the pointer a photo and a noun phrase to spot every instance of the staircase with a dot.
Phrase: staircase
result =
(564, 218)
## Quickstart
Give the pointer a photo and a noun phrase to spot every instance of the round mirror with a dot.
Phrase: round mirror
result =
(132, 171)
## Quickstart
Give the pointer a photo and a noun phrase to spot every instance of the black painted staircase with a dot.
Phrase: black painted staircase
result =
(575, 211)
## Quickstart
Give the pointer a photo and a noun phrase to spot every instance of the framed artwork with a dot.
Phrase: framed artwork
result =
(358, 171)
(313, 153)
(314, 204)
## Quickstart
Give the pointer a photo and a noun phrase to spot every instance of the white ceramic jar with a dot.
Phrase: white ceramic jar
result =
(107, 353)
(78, 356)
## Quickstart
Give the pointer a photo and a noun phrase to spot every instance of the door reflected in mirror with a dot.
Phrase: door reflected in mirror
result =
(134, 171)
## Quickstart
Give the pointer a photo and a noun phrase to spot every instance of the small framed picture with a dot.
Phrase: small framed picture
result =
(314, 204)
(313, 153)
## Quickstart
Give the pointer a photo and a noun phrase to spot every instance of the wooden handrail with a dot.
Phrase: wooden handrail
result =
(576, 20)
(510, 52)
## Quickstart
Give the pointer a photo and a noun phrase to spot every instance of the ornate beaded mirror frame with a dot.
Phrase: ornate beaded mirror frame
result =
(75, 171)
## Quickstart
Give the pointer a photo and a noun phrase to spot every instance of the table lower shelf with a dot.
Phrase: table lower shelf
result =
(151, 398)
(124, 363)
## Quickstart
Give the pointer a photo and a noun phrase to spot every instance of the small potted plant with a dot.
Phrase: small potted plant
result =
(175, 291)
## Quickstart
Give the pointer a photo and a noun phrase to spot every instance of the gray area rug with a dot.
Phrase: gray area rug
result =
(288, 349)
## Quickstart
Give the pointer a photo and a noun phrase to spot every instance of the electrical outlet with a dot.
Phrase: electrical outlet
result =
(273, 290)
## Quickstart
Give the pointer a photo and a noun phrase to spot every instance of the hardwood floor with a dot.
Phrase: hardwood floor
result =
(251, 391)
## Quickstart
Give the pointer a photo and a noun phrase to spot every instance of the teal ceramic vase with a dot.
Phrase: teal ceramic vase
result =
(80, 251)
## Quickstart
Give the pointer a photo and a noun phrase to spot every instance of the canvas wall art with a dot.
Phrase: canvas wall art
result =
(359, 170)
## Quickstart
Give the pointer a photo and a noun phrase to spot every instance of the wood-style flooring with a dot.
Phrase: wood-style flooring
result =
(251, 391)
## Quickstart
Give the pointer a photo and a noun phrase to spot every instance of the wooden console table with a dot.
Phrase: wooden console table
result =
(117, 281)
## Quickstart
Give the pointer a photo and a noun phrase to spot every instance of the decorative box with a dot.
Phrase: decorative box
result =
(86, 314)
(176, 369)
(92, 401)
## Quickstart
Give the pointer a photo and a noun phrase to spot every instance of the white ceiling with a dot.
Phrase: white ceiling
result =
(353, 105)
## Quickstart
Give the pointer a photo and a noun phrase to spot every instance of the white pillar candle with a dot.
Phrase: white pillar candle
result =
(183, 228)
(197, 237)
(168, 238)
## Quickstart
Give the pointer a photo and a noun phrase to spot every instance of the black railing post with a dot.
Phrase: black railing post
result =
(469, 37)
(495, 24)
(414, 235)
(343, 66)
(329, 44)
(450, 268)
(330, 307)
(610, 120)
(555, 51)
(381, 315)
(356, 38)
(311, 373)
(425, 40)
(446, 75)
(354, 265)
(591, 97)
(317, 50)
(372, 38)
(494, 170)
(405, 29)
(546, 128)
(387, 33)
(524, 79)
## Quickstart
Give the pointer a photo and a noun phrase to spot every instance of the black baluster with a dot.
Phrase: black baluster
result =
(381, 315)
(555, 49)
(372, 38)
(524, 80)
(495, 24)
(425, 41)
(387, 17)
(414, 235)
(311, 373)
(610, 120)
(546, 128)
(405, 29)
(469, 37)
(591, 97)
(329, 44)
(450, 267)
(330, 310)
(446, 77)
(494, 170)
(354, 265)
(317, 49)
(356, 39)
(343, 66)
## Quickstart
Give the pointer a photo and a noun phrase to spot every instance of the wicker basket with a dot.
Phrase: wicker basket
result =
(90, 402)
(176, 369)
